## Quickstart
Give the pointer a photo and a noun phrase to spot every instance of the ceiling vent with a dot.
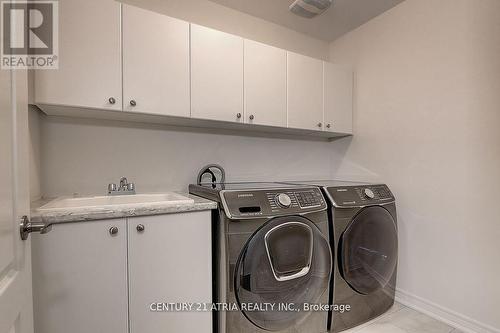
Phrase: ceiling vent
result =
(309, 8)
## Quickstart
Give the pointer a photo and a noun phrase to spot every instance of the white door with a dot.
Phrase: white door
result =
(170, 261)
(80, 278)
(89, 73)
(305, 92)
(216, 75)
(338, 98)
(16, 306)
(265, 84)
(155, 63)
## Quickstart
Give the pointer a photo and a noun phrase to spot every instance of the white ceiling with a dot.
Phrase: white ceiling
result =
(342, 17)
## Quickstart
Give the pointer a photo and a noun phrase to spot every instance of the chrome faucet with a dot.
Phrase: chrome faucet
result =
(124, 189)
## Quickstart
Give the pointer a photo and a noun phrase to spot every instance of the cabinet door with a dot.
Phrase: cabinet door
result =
(338, 98)
(305, 92)
(89, 73)
(170, 262)
(216, 75)
(265, 84)
(155, 63)
(80, 278)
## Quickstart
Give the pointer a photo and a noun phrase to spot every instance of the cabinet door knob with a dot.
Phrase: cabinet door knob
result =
(328, 126)
(112, 100)
(113, 230)
(140, 228)
(320, 125)
(238, 115)
(252, 117)
(133, 103)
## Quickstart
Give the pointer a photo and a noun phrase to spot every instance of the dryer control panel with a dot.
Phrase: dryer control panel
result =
(240, 204)
(360, 196)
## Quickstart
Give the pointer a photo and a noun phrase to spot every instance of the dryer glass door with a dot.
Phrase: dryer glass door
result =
(368, 250)
(285, 262)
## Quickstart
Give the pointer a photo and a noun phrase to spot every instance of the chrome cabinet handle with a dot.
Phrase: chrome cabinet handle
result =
(252, 117)
(133, 103)
(328, 126)
(26, 227)
(113, 231)
(320, 125)
(238, 115)
(140, 228)
(112, 100)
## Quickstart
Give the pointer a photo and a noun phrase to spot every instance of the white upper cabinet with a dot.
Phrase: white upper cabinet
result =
(265, 84)
(305, 92)
(89, 73)
(338, 84)
(115, 56)
(155, 63)
(216, 75)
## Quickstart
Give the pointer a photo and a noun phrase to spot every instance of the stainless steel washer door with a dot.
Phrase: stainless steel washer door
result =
(368, 250)
(287, 262)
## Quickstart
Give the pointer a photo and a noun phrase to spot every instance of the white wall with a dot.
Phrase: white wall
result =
(426, 121)
(213, 15)
(83, 156)
(34, 141)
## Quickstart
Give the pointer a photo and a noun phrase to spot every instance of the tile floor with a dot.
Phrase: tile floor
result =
(401, 319)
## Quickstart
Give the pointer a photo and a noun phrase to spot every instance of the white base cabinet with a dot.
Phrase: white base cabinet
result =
(103, 276)
(80, 278)
(170, 262)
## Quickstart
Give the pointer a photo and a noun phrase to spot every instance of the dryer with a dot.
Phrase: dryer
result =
(271, 250)
(364, 241)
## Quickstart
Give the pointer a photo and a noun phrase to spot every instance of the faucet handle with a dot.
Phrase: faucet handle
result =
(131, 187)
(123, 182)
(111, 187)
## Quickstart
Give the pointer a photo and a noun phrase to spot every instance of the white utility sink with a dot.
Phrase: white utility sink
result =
(107, 201)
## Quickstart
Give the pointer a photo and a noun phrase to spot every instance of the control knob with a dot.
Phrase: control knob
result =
(369, 193)
(283, 200)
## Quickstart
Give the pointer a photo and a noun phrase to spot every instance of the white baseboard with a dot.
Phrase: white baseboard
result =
(452, 318)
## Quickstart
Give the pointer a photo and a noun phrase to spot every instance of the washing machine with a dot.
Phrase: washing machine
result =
(273, 260)
(364, 241)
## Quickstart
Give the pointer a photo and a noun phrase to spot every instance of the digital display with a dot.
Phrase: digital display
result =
(251, 209)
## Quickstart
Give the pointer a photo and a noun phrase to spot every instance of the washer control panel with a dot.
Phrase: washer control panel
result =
(359, 196)
(275, 202)
(309, 199)
(283, 200)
